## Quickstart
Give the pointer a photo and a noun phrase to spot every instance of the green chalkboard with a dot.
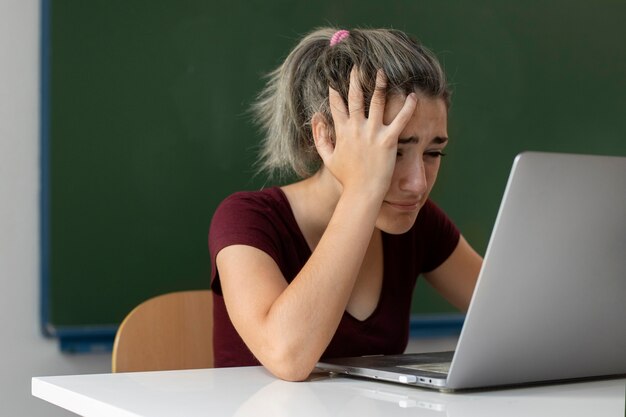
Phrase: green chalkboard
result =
(146, 127)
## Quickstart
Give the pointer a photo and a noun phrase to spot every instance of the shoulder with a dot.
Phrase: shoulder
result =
(260, 219)
(268, 198)
(436, 234)
(256, 218)
(249, 208)
(432, 218)
(431, 210)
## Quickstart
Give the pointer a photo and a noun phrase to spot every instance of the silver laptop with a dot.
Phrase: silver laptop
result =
(550, 302)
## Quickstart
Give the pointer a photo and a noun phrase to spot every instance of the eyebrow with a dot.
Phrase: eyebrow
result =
(439, 140)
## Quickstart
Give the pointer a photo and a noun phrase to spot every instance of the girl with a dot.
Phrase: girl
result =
(325, 266)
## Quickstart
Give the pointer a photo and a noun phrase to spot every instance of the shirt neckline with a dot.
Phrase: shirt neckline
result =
(282, 199)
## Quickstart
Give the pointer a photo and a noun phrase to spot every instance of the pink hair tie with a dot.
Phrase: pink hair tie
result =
(339, 36)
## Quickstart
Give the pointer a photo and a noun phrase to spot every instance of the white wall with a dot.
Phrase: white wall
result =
(24, 352)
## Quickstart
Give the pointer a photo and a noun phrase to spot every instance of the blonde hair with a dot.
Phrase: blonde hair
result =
(298, 89)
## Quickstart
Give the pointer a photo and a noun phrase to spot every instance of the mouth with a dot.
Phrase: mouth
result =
(404, 205)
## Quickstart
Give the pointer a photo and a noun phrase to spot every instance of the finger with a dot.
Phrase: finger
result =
(379, 98)
(355, 94)
(338, 109)
(404, 115)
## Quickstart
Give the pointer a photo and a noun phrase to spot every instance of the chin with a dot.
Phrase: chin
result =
(394, 223)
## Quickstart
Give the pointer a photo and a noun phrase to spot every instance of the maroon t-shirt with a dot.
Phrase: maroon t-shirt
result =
(263, 219)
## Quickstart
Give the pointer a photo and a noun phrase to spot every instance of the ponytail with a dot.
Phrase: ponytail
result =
(298, 89)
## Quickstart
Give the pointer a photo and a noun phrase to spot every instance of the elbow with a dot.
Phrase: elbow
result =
(291, 374)
(290, 367)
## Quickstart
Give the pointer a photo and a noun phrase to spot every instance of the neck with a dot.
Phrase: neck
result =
(313, 201)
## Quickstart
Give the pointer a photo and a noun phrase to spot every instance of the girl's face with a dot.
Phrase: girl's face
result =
(420, 147)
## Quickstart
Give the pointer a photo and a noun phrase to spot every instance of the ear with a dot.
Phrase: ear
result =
(322, 136)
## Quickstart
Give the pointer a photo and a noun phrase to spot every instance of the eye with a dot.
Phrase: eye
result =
(435, 154)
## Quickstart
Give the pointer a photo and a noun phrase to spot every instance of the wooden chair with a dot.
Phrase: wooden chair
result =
(170, 331)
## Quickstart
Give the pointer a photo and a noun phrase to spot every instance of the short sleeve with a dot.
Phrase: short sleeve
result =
(441, 234)
(241, 219)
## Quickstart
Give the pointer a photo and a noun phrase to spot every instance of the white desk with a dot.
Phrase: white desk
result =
(254, 392)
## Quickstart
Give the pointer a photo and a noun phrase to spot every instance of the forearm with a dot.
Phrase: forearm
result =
(288, 326)
(306, 315)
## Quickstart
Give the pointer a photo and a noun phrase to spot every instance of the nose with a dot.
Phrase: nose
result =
(414, 180)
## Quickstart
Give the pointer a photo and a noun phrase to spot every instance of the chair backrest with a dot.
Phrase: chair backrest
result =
(170, 331)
